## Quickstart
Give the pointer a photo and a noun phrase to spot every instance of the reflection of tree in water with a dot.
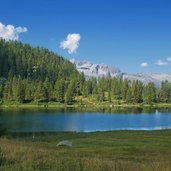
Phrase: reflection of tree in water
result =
(3, 131)
(127, 110)
(137, 110)
(164, 110)
(149, 110)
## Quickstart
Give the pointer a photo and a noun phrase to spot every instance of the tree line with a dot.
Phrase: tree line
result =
(117, 89)
(30, 74)
(66, 90)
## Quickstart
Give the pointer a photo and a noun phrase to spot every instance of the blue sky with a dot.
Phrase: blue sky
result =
(122, 33)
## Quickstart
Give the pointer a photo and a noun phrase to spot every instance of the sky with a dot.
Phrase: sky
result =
(133, 35)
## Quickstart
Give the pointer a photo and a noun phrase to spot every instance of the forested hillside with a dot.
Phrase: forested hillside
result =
(21, 60)
(30, 74)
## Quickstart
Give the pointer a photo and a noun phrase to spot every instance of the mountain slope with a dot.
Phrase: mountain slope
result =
(17, 59)
(34, 74)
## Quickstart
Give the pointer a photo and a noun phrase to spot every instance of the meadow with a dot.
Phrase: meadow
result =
(104, 151)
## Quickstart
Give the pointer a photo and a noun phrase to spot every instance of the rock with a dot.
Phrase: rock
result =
(96, 70)
(65, 143)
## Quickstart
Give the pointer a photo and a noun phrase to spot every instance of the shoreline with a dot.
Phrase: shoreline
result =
(65, 133)
(102, 106)
(88, 132)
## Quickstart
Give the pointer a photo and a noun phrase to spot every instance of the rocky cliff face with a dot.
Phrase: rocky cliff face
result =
(96, 70)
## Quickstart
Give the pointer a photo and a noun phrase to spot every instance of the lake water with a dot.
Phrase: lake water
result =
(69, 120)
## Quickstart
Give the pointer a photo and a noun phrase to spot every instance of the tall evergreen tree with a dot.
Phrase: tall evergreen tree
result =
(149, 93)
(137, 88)
(129, 97)
(59, 91)
(124, 89)
(70, 92)
(20, 91)
(164, 92)
(1, 92)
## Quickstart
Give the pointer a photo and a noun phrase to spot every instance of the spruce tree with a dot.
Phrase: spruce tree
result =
(70, 92)
(59, 90)
(149, 93)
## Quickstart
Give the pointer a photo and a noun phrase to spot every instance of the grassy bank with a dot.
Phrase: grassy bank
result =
(117, 150)
(85, 104)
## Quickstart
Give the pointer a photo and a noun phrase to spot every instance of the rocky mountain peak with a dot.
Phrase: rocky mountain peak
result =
(96, 70)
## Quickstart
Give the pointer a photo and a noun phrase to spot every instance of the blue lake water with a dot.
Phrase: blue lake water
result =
(79, 121)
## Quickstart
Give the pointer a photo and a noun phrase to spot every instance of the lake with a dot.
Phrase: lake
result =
(48, 120)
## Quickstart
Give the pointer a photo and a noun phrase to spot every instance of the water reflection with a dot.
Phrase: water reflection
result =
(64, 119)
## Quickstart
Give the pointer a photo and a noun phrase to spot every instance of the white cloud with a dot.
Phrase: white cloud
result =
(144, 64)
(169, 59)
(71, 43)
(161, 63)
(10, 32)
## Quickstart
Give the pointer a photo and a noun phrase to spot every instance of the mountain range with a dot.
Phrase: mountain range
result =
(99, 70)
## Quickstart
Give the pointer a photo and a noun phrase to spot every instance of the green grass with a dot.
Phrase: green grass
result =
(96, 106)
(80, 102)
(116, 150)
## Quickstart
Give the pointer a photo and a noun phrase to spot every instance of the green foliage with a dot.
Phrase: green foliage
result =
(165, 92)
(36, 63)
(125, 86)
(129, 97)
(116, 88)
(1, 91)
(149, 95)
(70, 93)
(30, 74)
(59, 90)
(137, 88)
(101, 89)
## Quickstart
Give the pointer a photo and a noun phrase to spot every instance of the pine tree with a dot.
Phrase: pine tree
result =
(94, 86)
(137, 88)
(6, 95)
(39, 92)
(101, 94)
(164, 92)
(14, 88)
(70, 92)
(129, 97)
(1, 92)
(29, 90)
(101, 90)
(116, 88)
(20, 91)
(124, 89)
(149, 93)
(59, 91)
(46, 89)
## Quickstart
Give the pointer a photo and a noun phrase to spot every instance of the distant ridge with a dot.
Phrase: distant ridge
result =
(100, 70)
